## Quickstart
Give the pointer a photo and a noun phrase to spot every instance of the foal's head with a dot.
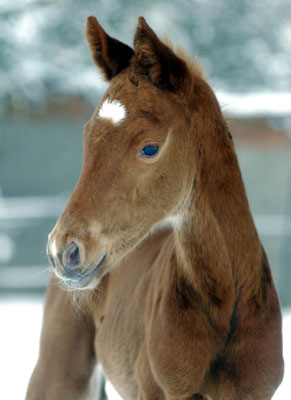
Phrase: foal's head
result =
(139, 157)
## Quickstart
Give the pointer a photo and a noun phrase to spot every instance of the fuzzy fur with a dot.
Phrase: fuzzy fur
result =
(186, 312)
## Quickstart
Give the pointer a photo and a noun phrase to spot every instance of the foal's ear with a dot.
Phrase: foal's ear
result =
(108, 53)
(157, 60)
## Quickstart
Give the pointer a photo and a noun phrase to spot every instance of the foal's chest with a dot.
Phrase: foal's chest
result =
(120, 335)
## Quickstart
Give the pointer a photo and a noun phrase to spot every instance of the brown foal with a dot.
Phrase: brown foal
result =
(159, 238)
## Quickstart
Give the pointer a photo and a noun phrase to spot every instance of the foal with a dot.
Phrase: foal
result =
(159, 232)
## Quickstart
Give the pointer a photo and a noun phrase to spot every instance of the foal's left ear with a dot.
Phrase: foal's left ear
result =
(111, 55)
(157, 60)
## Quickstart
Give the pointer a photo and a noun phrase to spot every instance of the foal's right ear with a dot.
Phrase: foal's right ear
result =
(111, 55)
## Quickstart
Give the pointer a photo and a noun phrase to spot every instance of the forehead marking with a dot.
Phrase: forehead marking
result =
(114, 110)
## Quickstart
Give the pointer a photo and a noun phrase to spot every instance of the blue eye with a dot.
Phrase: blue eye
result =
(149, 150)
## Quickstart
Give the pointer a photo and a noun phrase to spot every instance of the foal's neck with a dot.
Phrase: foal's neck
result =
(217, 246)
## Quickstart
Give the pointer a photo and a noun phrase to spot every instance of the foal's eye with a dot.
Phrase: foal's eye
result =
(149, 151)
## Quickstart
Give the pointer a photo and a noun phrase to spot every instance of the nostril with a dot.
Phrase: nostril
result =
(73, 256)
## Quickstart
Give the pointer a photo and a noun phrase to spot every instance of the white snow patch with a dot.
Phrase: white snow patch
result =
(19, 344)
(276, 104)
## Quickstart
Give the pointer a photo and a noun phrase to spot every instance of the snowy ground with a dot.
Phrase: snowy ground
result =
(19, 334)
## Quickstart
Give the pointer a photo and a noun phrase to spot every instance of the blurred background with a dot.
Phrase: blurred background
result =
(49, 87)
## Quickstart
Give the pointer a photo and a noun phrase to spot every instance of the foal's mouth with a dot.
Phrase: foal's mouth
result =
(80, 281)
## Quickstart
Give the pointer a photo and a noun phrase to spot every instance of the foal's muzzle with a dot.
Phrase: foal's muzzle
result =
(68, 265)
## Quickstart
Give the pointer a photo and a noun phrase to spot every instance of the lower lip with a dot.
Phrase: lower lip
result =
(85, 280)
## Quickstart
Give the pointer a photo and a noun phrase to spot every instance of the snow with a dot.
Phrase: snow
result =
(47, 36)
(283, 393)
(255, 104)
(19, 337)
